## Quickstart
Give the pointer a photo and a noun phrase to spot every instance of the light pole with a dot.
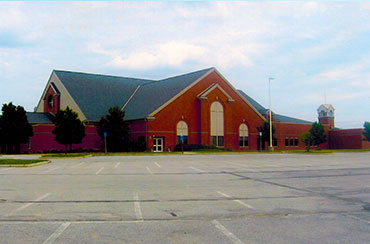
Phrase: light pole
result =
(271, 147)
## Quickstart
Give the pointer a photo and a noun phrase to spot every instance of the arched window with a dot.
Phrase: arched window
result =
(182, 132)
(50, 101)
(243, 135)
(217, 124)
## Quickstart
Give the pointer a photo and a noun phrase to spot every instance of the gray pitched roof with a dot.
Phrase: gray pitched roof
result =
(152, 96)
(95, 94)
(276, 117)
(39, 118)
(255, 104)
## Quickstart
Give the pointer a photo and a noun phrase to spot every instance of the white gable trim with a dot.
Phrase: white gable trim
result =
(40, 104)
(180, 93)
(203, 95)
(129, 99)
(243, 98)
(65, 97)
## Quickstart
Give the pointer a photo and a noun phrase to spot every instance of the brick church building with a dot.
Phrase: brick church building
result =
(201, 107)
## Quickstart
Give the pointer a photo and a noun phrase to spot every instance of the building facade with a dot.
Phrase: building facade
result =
(201, 107)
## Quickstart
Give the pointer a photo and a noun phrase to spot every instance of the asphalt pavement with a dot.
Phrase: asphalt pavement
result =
(219, 198)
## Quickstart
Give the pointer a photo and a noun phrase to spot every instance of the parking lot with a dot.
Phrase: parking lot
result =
(218, 198)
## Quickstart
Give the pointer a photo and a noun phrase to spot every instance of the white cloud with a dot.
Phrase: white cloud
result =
(302, 44)
(11, 15)
(167, 54)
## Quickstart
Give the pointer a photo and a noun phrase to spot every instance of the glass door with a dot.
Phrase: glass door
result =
(158, 144)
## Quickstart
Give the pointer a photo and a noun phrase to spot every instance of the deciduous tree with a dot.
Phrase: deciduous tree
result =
(117, 130)
(366, 133)
(68, 129)
(265, 129)
(307, 139)
(14, 128)
(318, 134)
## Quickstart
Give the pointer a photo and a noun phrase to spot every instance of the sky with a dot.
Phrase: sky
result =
(317, 52)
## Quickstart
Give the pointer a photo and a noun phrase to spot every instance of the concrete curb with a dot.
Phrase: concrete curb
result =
(26, 165)
(86, 156)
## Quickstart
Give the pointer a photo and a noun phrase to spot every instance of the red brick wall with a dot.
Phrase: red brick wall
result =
(56, 101)
(196, 114)
(327, 121)
(290, 131)
(347, 139)
(43, 140)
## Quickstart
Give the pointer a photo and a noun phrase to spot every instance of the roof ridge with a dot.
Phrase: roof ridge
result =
(112, 76)
(193, 72)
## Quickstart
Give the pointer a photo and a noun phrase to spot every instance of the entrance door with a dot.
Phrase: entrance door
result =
(158, 144)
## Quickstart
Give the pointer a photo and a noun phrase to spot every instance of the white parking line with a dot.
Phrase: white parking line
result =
(49, 170)
(357, 218)
(150, 172)
(238, 201)
(28, 204)
(157, 165)
(116, 166)
(243, 167)
(226, 232)
(57, 233)
(100, 170)
(75, 166)
(196, 169)
(138, 213)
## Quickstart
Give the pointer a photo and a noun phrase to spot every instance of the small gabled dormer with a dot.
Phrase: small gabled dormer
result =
(52, 99)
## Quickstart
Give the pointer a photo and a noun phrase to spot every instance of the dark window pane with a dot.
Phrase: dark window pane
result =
(286, 142)
(246, 141)
(220, 141)
(214, 140)
(241, 141)
(296, 142)
(274, 142)
(185, 139)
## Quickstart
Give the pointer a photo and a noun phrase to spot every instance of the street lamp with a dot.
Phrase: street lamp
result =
(271, 147)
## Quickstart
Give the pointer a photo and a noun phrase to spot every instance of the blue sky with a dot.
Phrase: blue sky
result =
(317, 51)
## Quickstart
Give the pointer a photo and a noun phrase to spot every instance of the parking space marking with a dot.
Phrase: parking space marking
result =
(100, 170)
(138, 213)
(226, 232)
(196, 169)
(57, 233)
(49, 170)
(150, 172)
(238, 201)
(243, 167)
(117, 164)
(157, 165)
(75, 166)
(28, 204)
(357, 218)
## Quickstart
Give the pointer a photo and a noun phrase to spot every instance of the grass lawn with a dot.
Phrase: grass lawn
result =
(68, 155)
(10, 161)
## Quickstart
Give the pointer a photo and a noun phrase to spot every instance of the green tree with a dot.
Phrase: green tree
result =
(366, 133)
(117, 130)
(318, 134)
(265, 129)
(307, 139)
(14, 128)
(68, 128)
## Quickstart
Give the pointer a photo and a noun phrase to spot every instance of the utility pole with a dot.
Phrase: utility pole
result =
(271, 147)
(105, 142)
